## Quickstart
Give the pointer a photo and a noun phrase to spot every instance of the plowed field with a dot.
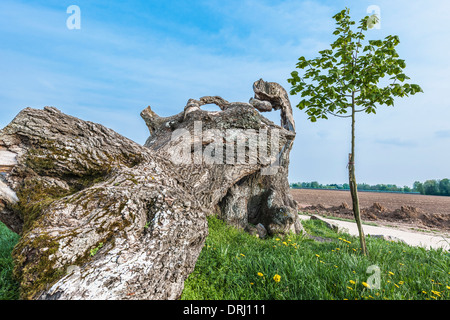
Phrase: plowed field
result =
(417, 210)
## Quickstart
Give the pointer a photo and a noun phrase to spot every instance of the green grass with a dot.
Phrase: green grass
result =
(9, 289)
(229, 264)
(230, 261)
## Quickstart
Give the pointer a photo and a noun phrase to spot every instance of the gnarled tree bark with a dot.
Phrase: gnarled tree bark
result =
(102, 217)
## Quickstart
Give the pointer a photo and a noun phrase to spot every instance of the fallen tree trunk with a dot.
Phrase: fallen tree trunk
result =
(102, 217)
(258, 191)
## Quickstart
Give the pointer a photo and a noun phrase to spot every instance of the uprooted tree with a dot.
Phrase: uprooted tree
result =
(102, 217)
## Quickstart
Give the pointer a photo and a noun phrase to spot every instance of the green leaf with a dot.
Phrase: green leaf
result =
(401, 63)
(301, 105)
(401, 77)
(416, 88)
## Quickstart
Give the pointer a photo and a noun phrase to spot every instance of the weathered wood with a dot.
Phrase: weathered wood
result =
(259, 197)
(82, 188)
(102, 217)
(7, 160)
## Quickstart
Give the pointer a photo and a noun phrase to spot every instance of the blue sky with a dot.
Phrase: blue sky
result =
(131, 54)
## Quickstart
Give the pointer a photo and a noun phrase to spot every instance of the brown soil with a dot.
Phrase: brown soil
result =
(418, 211)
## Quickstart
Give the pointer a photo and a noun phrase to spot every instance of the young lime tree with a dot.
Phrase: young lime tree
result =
(348, 79)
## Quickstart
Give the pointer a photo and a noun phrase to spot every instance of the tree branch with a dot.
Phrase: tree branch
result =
(338, 115)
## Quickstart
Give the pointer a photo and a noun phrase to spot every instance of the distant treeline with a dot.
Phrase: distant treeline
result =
(429, 187)
(346, 186)
(433, 187)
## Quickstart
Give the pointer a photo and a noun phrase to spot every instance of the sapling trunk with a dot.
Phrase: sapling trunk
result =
(353, 185)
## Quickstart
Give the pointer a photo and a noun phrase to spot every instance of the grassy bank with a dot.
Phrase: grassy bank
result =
(235, 265)
(9, 289)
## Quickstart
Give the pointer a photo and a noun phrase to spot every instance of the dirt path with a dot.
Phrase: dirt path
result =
(418, 239)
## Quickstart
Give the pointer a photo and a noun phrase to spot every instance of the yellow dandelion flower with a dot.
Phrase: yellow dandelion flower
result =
(317, 256)
(260, 274)
(448, 287)
(277, 278)
(354, 249)
(401, 282)
(335, 266)
(436, 293)
(349, 288)
(242, 254)
(251, 283)
(285, 243)
(396, 285)
(423, 291)
(352, 282)
(365, 284)
(277, 239)
(391, 273)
